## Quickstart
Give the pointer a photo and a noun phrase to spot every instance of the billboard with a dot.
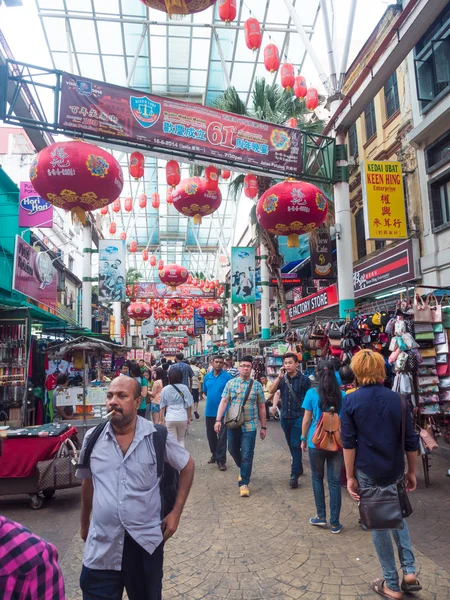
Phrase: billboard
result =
(111, 271)
(383, 199)
(160, 290)
(34, 274)
(243, 275)
(109, 110)
(34, 211)
(321, 251)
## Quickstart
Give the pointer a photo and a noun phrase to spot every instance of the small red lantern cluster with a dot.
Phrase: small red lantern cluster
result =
(137, 165)
(145, 255)
(173, 174)
(227, 10)
(212, 178)
(192, 197)
(271, 58)
(155, 201)
(139, 311)
(116, 205)
(300, 87)
(225, 174)
(104, 210)
(292, 122)
(133, 246)
(253, 37)
(312, 99)
(250, 186)
(287, 74)
(173, 275)
(123, 235)
(142, 200)
(128, 204)
(153, 260)
(112, 228)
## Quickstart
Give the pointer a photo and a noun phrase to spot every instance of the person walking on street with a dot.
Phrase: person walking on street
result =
(230, 368)
(318, 400)
(126, 535)
(154, 407)
(293, 386)
(241, 441)
(196, 386)
(176, 405)
(267, 395)
(213, 385)
(371, 430)
(186, 371)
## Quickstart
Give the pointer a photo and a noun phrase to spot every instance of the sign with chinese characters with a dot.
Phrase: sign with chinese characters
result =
(326, 298)
(161, 290)
(34, 211)
(165, 123)
(243, 275)
(383, 199)
(391, 268)
(111, 271)
(34, 274)
(321, 252)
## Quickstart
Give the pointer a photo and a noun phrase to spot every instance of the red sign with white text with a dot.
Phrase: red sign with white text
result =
(326, 298)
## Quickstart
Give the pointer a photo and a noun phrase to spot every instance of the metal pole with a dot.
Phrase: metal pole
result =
(87, 275)
(230, 321)
(222, 59)
(136, 57)
(329, 42)
(306, 42)
(117, 310)
(69, 46)
(348, 38)
(265, 294)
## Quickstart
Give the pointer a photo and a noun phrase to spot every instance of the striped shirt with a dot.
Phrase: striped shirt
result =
(29, 567)
(235, 393)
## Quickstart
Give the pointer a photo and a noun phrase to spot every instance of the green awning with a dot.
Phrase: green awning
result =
(36, 314)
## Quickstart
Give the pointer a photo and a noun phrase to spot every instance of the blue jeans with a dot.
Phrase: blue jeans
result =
(241, 446)
(293, 432)
(383, 543)
(317, 460)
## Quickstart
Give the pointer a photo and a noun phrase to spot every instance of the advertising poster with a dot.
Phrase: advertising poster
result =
(383, 199)
(321, 252)
(199, 323)
(111, 271)
(109, 110)
(243, 275)
(34, 211)
(34, 274)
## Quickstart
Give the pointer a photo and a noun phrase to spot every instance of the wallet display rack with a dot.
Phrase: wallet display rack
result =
(13, 365)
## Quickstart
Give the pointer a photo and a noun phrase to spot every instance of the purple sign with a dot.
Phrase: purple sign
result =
(34, 274)
(34, 211)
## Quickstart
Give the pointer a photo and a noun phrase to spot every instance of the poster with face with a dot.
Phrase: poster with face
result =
(243, 275)
(112, 271)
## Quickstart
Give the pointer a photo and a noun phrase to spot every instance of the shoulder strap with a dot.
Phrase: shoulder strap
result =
(247, 393)
(159, 443)
(179, 391)
(91, 443)
(291, 389)
(403, 401)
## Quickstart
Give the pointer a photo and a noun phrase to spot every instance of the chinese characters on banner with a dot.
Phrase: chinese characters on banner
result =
(167, 124)
(243, 275)
(111, 271)
(384, 203)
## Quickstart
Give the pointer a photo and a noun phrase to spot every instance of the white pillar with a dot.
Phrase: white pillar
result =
(265, 294)
(86, 319)
(117, 306)
(230, 321)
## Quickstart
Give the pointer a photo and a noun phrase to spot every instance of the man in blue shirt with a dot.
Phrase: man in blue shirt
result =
(186, 371)
(213, 385)
(293, 386)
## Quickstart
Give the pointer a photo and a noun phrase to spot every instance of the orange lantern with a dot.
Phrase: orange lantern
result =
(287, 76)
(227, 10)
(271, 58)
(153, 260)
(133, 246)
(128, 204)
(145, 254)
(155, 200)
(253, 35)
(112, 228)
(116, 205)
(300, 88)
(123, 235)
(173, 174)
(212, 178)
(292, 122)
(137, 164)
(225, 174)
(104, 210)
(250, 186)
(312, 99)
(169, 196)
(142, 200)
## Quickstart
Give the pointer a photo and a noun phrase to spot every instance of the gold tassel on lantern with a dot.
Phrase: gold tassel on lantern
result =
(176, 7)
(78, 214)
(292, 240)
(197, 219)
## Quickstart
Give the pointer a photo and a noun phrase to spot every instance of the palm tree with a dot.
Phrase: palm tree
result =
(273, 104)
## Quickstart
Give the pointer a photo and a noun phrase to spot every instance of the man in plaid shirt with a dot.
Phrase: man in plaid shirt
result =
(29, 567)
(241, 441)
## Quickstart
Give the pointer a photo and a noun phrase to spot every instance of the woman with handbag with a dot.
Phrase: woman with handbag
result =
(176, 405)
(321, 401)
(376, 431)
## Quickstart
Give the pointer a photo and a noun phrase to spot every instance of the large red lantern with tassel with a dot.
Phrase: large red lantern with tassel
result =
(271, 58)
(112, 228)
(192, 199)
(227, 10)
(300, 88)
(173, 276)
(250, 186)
(142, 200)
(312, 99)
(177, 8)
(253, 37)
(212, 178)
(116, 205)
(139, 311)
(128, 204)
(173, 174)
(211, 311)
(155, 201)
(287, 74)
(145, 254)
(76, 176)
(133, 246)
(137, 164)
(291, 208)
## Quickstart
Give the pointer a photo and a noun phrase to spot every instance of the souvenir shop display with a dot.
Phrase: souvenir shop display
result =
(13, 369)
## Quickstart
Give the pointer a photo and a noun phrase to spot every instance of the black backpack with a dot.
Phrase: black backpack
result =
(167, 475)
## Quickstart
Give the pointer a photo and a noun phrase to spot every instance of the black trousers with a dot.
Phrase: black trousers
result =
(141, 576)
(217, 443)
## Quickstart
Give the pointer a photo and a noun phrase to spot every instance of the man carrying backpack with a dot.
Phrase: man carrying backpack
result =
(135, 497)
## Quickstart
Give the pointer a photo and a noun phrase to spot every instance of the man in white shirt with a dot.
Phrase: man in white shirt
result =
(196, 391)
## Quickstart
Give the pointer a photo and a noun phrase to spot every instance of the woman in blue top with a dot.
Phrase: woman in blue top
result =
(318, 400)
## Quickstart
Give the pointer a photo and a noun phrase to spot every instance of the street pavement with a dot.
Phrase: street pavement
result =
(262, 547)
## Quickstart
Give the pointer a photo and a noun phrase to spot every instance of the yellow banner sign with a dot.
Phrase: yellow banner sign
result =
(384, 203)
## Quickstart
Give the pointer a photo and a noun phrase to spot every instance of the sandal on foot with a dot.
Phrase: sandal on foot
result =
(411, 587)
(377, 587)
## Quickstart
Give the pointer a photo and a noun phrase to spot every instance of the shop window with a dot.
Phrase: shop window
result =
(352, 141)
(439, 153)
(369, 117)
(440, 202)
(391, 95)
(360, 234)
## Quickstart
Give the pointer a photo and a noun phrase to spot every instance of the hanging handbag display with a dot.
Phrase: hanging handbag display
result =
(427, 439)
(438, 327)
(442, 348)
(235, 416)
(446, 316)
(436, 309)
(59, 473)
(427, 352)
(422, 310)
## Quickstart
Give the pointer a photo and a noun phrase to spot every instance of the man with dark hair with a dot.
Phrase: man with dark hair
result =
(185, 369)
(242, 440)
(125, 538)
(231, 369)
(196, 386)
(293, 386)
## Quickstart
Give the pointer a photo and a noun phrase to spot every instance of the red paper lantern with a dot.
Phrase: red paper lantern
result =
(253, 35)
(123, 235)
(190, 279)
(175, 304)
(173, 275)
(211, 311)
(292, 122)
(195, 282)
(271, 58)
(292, 208)
(155, 201)
(217, 282)
(116, 205)
(139, 311)
(190, 332)
(250, 186)
(225, 174)
(153, 260)
(312, 99)
(160, 264)
(287, 76)
(212, 178)
(173, 174)
(201, 283)
(169, 196)
(142, 200)
(104, 210)
(192, 199)
(227, 10)
(300, 88)
(128, 204)
(137, 164)
(133, 246)
(179, 7)
(112, 228)
(145, 254)
(76, 176)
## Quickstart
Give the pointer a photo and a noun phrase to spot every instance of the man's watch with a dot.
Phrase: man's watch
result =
(263, 427)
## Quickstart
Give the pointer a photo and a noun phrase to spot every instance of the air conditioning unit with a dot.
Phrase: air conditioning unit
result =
(242, 320)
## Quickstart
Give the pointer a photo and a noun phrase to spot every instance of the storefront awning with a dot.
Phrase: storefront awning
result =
(37, 314)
